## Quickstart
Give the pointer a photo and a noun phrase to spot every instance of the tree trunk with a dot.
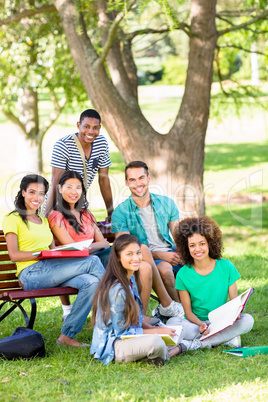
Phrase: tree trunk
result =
(175, 160)
(27, 122)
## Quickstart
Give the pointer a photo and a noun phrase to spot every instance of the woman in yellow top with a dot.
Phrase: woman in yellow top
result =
(26, 232)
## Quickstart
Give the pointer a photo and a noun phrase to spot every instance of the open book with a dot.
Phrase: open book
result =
(169, 340)
(225, 315)
(78, 246)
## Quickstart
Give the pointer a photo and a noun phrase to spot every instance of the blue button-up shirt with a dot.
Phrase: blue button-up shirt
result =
(126, 217)
(104, 336)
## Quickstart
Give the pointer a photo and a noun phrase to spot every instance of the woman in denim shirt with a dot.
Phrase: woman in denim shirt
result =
(117, 311)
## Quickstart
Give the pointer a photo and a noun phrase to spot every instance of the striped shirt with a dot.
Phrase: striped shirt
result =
(66, 156)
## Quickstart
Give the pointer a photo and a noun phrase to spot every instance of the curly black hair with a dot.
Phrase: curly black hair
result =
(204, 226)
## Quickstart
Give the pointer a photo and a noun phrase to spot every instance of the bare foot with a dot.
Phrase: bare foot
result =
(66, 340)
(175, 351)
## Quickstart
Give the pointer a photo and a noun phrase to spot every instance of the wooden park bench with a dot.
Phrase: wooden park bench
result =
(11, 291)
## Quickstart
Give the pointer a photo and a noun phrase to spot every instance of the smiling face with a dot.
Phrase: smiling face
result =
(131, 258)
(138, 181)
(198, 247)
(89, 129)
(34, 196)
(71, 191)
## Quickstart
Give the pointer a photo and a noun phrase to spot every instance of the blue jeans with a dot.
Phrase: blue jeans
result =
(80, 273)
(104, 256)
(175, 268)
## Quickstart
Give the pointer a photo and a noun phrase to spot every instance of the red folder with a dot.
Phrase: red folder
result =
(59, 254)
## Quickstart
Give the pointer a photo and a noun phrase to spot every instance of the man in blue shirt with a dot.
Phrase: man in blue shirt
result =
(150, 217)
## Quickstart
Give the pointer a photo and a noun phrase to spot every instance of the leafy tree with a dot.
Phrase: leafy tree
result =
(100, 34)
(33, 61)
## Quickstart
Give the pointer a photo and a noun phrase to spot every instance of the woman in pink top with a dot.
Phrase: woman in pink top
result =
(71, 221)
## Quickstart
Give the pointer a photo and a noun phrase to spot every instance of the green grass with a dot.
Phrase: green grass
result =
(204, 375)
(235, 168)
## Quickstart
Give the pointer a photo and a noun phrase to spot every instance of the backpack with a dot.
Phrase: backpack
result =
(23, 343)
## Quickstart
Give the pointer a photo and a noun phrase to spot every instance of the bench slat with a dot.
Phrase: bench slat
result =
(10, 285)
(38, 293)
(4, 257)
(8, 276)
(8, 267)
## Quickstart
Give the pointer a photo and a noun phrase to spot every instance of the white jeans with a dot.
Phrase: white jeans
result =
(140, 348)
(191, 331)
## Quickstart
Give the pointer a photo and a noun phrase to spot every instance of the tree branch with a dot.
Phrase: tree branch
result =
(183, 27)
(256, 31)
(242, 48)
(14, 119)
(112, 31)
(217, 59)
(225, 20)
(244, 25)
(236, 13)
(28, 13)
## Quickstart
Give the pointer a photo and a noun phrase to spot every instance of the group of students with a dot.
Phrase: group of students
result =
(108, 279)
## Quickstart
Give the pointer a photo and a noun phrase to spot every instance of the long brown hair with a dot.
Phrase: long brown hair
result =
(63, 206)
(116, 274)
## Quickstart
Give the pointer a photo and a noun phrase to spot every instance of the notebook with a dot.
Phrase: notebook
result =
(45, 254)
(248, 351)
(78, 246)
(225, 315)
(169, 340)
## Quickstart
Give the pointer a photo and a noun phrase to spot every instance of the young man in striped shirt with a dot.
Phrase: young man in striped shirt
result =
(66, 156)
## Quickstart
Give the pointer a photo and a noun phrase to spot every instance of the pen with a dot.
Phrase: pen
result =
(204, 329)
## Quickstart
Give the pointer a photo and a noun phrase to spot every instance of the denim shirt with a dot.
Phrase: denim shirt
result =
(104, 336)
(126, 218)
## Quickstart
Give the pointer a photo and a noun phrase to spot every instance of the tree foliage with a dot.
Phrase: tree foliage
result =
(103, 35)
(35, 60)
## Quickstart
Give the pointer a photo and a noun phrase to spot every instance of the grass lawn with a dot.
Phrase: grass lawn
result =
(204, 375)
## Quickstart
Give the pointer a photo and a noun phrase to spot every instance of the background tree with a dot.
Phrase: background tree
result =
(100, 36)
(35, 63)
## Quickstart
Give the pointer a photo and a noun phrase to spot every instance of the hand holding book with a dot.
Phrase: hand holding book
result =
(227, 314)
(204, 329)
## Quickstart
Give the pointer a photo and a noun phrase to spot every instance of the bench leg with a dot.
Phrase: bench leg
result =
(15, 304)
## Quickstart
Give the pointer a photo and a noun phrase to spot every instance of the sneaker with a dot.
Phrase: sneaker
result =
(175, 309)
(156, 314)
(235, 342)
(195, 344)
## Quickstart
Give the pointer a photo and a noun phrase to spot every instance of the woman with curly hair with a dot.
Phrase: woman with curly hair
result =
(205, 281)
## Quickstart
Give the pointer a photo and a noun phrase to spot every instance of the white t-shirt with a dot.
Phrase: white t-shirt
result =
(155, 240)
